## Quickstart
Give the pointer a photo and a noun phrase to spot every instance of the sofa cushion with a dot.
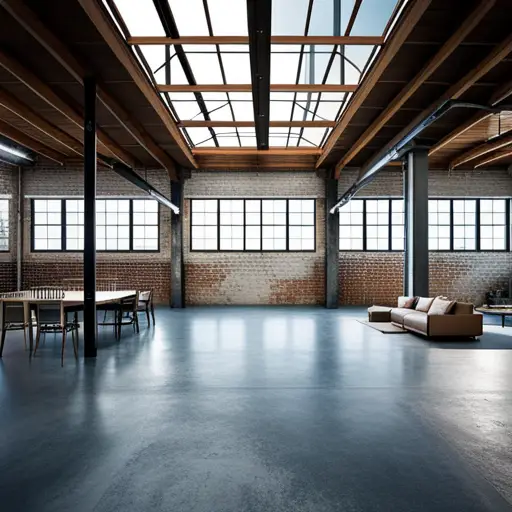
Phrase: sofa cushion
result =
(462, 308)
(406, 302)
(441, 306)
(398, 314)
(417, 321)
(424, 304)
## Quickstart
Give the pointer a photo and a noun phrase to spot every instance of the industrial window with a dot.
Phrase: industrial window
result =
(121, 225)
(47, 225)
(493, 224)
(464, 224)
(439, 222)
(372, 225)
(4, 225)
(253, 225)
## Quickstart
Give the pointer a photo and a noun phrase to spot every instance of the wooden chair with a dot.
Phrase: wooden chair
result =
(146, 305)
(51, 317)
(127, 313)
(13, 319)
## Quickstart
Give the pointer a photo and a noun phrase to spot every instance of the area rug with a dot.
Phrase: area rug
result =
(384, 327)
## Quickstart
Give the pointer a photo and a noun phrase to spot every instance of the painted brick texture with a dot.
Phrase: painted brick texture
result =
(255, 278)
(8, 189)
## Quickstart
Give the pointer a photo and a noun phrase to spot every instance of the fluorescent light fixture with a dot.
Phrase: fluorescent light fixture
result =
(14, 152)
(162, 199)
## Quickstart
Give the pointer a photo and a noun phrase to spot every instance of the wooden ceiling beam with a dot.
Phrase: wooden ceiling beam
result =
(481, 150)
(11, 103)
(31, 23)
(227, 151)
(499, 95)
(410, 17)
(248, 88)
(236, 40)
(494, 157)
(498, 53)
(24, 140)
(105, 26)
(251, 124)
(407, 92)
(46, 93)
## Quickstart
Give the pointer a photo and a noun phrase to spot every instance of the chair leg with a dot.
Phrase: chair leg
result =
(63, 345)
(74, 336)
(3, 340)
(38, 337)
(147, 315)
(25, 337)
(153, 314)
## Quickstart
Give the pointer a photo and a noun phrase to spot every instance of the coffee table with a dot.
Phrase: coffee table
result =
(503, 312)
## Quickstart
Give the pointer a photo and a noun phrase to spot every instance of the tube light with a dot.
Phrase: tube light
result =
(14, 152)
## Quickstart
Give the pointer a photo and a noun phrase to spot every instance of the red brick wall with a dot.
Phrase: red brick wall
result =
(7, 276)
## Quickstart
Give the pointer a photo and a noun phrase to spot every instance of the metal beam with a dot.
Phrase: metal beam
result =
(177, 265)
(259, 18)
(413, 13)
(416, 275)
(248, 87)
(251, 124)
(255, 151)
(407, 92)
(237, 40)
(332, 248)
(90, 157)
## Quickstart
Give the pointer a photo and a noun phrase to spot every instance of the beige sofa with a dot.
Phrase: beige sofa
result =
(460, 321)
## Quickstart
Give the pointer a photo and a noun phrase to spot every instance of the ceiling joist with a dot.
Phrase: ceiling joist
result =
(237, 40)
(248, 88)
(413, 13)
(406, 93)
(498, 155)
(481, 150)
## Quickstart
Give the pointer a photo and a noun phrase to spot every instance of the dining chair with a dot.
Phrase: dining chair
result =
(13, 319)
(127, 313)
(146, 305)
(51, 317)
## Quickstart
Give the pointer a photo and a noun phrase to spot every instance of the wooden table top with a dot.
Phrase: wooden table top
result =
(77, 297)
(494, 311)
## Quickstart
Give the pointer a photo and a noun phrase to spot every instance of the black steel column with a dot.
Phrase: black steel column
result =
(177, 267)
(416, 223)
(332, 232)
(90, 158)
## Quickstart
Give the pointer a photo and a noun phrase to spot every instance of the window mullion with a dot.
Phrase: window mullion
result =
(477, 225)
(451, 225)
(364, 224)
(287, 225)
(63, 226)
(130, 228)
(390, 207)
(218, 224)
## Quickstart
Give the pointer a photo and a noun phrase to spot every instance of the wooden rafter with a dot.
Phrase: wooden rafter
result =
(255, 151)
(406, 93)
(112, 38)
(494, 157)
(498, 53)
(481, 150)
(24, 140)
(413, 13)
(232, 40)
(11, 103)
(248, 88)
(250, 124)
(66, 58)
(46, 93)
(499, 95)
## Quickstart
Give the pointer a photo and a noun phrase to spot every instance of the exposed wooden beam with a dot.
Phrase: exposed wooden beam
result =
(353, 16)
(499, 95)
(482, 149)
(24, 140)
(254, 151)
(494, 157)
(324, 40)
(31, 23)
(413, 13)
(248, 88)
(11, 103)
(46, 93)
(498, 53)
(407, 92)
(105, 26)
(250, 124)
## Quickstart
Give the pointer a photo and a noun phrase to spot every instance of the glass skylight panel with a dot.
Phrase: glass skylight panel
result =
(244, 110)
(219, 110)
(359, 56)
(201, 137)
(312, 136)
(373, 17)
(283, 66)
(289, 17)
(237, 67)
(247, 137)
(186, 110)
(140, 17)
(229, 17)
(189, 16)
(205, 67)
(322, 18)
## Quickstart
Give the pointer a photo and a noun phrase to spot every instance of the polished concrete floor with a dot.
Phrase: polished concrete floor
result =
(259, 409)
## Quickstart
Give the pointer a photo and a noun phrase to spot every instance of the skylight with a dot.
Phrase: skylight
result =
(225, 118)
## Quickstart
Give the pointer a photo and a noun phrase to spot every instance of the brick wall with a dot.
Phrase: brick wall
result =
(8, 190)
(255, 278)
(377, 277)
(130, 270)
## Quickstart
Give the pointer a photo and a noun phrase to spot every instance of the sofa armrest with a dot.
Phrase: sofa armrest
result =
(455, 325)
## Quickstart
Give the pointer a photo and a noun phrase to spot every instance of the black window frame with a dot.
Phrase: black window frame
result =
(8, 225)
(244, 250)
(63, 226)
